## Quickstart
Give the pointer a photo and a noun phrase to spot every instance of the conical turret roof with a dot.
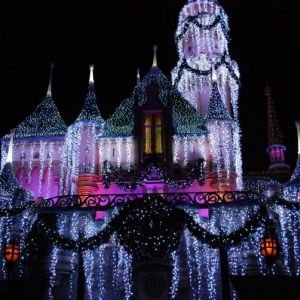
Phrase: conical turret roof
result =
(9, 185)
(45, 121)
(216, 109)
(90, 111)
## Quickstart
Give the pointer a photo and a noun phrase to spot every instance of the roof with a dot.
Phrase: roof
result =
(90, 111)
(216, 108)
(45, 121)
(186, 119)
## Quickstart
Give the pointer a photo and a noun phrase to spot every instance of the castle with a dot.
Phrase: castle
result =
(144, 204)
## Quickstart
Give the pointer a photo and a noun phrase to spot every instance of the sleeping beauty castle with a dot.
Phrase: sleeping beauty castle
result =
(151, 203)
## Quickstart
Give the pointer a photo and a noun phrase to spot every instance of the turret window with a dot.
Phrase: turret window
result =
(277, 155)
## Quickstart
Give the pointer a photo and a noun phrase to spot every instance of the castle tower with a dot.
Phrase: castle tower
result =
(81, 147)
(278, 169)
(219, 122)
(202, 42)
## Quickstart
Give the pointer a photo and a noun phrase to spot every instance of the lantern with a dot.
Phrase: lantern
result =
(269, 247)
(12, 251)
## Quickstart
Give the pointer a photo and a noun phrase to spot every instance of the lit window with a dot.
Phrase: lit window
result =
(158, 135)
(148, 137)
(153, 134)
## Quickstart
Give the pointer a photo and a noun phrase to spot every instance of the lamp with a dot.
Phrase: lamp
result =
(269, 246)
(11, 255)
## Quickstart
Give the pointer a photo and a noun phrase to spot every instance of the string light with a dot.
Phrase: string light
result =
(175, 274)
(206, 121)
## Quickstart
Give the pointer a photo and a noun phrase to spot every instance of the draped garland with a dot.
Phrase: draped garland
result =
(193, 20)
(110, 174)
(150, 228)
(6, 212)
(224, 60)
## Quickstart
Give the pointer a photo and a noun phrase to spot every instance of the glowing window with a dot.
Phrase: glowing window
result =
(153, 134)
(148, 134)
(158, 135)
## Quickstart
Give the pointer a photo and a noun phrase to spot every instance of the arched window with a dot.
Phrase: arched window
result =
(153, 143)
(158, 135)
(148, 134)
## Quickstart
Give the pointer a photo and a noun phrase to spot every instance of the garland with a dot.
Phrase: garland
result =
(223, 61)
(150, 228)
(276, 200)
(16, 210)
(110, 175)
(193, 19)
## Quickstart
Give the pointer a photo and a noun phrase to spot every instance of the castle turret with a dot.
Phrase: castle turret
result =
(278, 169)
(81, 161)
(202, 45)
(219, 122)
(202, 40)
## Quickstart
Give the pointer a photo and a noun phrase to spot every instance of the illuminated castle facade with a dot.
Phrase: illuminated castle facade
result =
(170, 142)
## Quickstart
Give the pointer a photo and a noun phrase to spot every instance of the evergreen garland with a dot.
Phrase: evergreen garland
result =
(110, 175)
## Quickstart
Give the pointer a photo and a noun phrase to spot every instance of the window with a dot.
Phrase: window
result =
(153, 134)
(158, 135)
(148, 136)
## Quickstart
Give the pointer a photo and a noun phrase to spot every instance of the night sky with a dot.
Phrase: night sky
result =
(117, 37)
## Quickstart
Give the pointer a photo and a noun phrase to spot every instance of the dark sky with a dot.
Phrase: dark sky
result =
(117, 36)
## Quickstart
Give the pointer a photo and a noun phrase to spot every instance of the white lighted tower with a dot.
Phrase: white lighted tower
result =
(202, 45)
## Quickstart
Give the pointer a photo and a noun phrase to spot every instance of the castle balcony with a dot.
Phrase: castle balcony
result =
(195, 200)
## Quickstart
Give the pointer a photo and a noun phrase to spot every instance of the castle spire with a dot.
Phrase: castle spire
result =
(154, 68)
(154, 64)
(213, 74)
(274, 132)
(90, 111)
(138, 77)
(49, 91)
(91, 80)
(9, 157)
(278, 169)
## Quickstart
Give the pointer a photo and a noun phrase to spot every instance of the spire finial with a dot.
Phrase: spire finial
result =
(91, 80)
(154, 64)
(9, 157)
(49, 91)
(213, 73)
(268, 89)
(91, 74)
(138, 77)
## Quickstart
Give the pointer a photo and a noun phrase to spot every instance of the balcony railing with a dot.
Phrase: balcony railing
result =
(107, 201)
